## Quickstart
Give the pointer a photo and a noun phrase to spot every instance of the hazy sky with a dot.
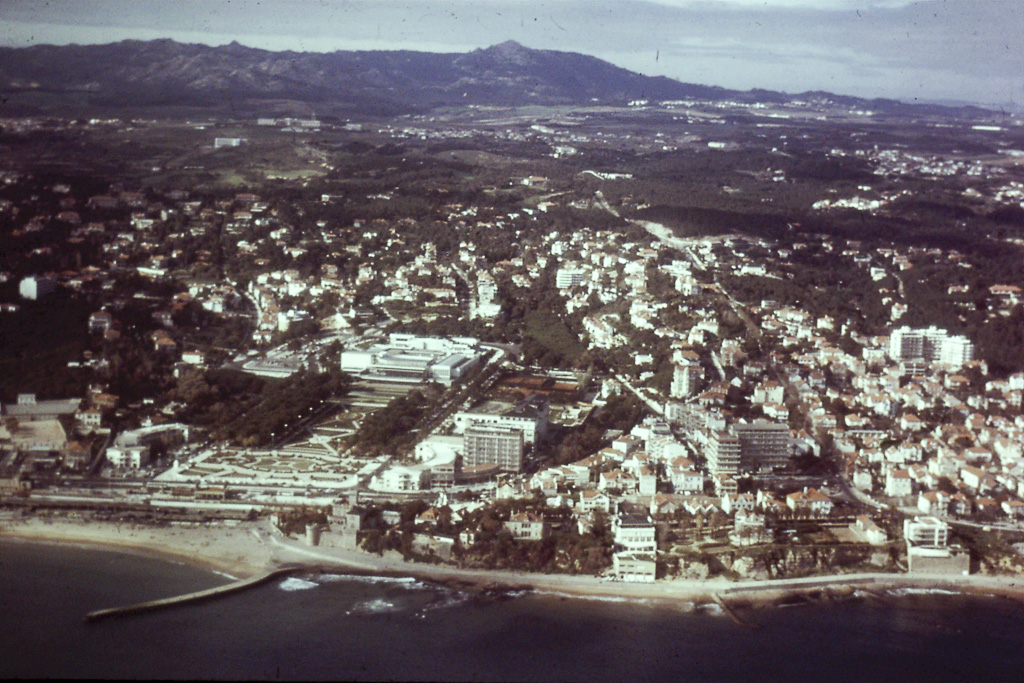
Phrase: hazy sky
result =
(969, 50)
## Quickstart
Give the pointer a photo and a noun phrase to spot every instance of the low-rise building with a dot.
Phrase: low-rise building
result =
(867, 529)
(929, 550)
(526, 526)
(635, 567)
(128, 457)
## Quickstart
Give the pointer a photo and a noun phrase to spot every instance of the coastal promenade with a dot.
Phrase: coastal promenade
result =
(253, 549)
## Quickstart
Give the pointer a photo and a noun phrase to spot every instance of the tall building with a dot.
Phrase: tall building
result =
(35, 287)
(483, 304)
(503, 446)
(686, 378)
(529, 416)
(956, 351)
(929, 345)
(763, 445)
(758, 446)
(723, 453)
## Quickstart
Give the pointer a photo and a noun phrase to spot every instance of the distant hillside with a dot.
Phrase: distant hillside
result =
(163, 75)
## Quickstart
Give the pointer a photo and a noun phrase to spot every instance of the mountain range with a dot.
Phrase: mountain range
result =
(164, 76)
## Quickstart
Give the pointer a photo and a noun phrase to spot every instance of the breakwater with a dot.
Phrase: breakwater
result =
(730, 613)
(189, 598)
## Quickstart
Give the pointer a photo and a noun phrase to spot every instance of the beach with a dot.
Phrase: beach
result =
(234, 551)
(249, 549)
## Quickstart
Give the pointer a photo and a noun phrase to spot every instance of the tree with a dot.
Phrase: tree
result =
(600, 526)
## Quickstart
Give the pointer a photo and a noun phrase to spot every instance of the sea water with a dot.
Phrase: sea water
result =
(353, 628)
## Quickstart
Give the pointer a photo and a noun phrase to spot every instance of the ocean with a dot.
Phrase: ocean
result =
(315, 627)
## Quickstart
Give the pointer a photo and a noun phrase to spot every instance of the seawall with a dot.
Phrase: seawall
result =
(189, 598)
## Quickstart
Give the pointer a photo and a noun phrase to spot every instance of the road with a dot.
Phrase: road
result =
(676, 589)
(327, 410)
(649, 402)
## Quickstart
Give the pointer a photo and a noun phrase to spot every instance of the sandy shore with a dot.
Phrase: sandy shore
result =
(252, 548)
(233, 551)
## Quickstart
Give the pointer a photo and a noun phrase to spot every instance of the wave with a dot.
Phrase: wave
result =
(400, 581)
(922, 591)
(454, 599)
(375, 606)
(294, 584)
(710, 608)
(589, 597)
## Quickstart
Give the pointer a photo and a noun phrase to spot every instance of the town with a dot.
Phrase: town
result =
(673, 339)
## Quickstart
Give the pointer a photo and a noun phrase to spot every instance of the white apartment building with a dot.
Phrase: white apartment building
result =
(930, 345)
(400, 478)
(530, 416)
(568, 277)
(131, 457)
(686, 378)
(485, 305)
(635, 533)
(35, 287)
(503, 446)
(600, 330)
(926, 531)
(723, 453)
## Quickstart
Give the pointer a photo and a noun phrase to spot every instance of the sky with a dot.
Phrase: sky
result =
(926, 50)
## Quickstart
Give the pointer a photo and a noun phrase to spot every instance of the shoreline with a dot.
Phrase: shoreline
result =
(250, 549)
(181, 545)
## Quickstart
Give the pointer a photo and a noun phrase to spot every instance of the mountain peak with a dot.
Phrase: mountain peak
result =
(160, 72)
(510, 50)
(509, 46)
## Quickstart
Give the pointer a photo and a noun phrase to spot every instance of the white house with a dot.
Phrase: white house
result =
(898, 483)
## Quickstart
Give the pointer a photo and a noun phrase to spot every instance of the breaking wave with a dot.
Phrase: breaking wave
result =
(922, 591)
(710, 608)
(294, 584)
(375, 606)
(400, 581)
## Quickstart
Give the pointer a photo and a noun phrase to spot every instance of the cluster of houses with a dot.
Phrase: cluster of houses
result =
(38, 437)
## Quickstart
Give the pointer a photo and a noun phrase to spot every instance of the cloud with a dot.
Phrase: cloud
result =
(769, 5)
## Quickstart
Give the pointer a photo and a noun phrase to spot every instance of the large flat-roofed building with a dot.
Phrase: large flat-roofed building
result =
(764, 445)
(35, 287)
(723, 453)
(35, 436)
(410, 359)
(635, 567)
(758, 446)
(502, 446)
(28, 409)
(926, 531)
(530, 416)
(928, 345)
(929, 549)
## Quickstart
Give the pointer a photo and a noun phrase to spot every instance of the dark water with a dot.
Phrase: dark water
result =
(345, 628)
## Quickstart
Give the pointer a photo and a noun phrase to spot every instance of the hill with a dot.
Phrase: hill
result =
(164, 77)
